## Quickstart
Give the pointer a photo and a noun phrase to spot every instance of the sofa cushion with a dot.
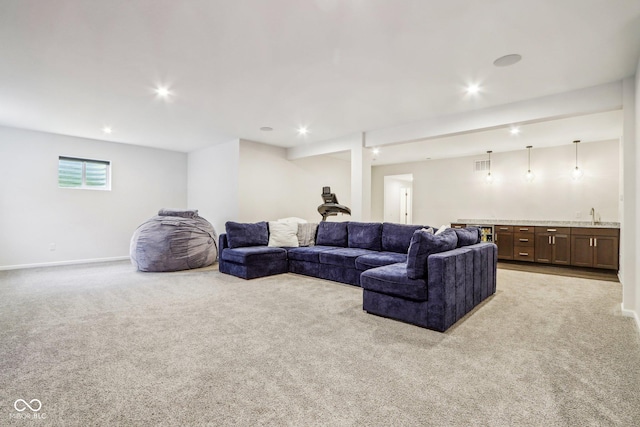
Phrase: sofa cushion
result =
(467, 236)
(332, 234)
(365, 235)
(307, 234)
(396, 237)
(392, 280)
(283, 234)
(253, 254)
(424, 244)
(379, 259)
(241, 235)
(308, 253)
(345, 257)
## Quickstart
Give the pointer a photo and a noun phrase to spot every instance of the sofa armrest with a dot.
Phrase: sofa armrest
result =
(485, 262)
(459, 280)
(449, 287)
(224, 242)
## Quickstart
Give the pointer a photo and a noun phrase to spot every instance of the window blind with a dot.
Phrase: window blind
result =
(83, 173)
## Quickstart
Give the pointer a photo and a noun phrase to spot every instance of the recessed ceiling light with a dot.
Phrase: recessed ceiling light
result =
(473, 89)
(302, 130)
(107, 129)
(514, 130)
(376, 151)
(163, 91)
(266, 128)
(505, 61)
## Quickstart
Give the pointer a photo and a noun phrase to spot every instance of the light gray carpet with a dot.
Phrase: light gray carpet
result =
(105, 345)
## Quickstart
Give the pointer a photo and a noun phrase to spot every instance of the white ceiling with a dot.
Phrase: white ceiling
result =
(336, 66)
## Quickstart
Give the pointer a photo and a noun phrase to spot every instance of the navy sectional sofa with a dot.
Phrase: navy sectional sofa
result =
(407, 272)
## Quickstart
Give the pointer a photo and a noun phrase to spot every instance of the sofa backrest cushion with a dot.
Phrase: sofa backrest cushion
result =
(397, 237)
(240, 235)
(468, 236)
(332, 234)
(424, 244)
(365, 235)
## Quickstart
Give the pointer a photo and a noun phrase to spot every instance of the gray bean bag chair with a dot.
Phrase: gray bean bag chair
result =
(174, 240)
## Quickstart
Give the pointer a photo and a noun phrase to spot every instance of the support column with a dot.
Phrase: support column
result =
(361, 182)
(629, 201)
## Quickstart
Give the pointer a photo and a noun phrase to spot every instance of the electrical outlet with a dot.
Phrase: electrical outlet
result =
(52, 246)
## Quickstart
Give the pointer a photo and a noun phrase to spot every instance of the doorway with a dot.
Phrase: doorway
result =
(398, 199)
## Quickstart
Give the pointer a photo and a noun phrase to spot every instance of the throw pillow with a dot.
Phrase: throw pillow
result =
(332, 234)
(293, 219)
(307, 234)
(241, 235)
(283, 234)
(424, 244)
(441, 229)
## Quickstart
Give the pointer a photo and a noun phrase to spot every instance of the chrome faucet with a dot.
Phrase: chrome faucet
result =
(593, 216)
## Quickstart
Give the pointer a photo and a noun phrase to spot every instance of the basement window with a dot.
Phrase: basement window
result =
(84, 173)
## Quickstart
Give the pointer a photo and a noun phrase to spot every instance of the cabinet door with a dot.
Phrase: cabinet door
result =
(582, 251)
(505, 245)
(543, 251)
(605, 252)
(561, 249)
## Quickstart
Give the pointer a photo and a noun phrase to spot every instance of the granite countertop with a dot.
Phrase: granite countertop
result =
(585, 224)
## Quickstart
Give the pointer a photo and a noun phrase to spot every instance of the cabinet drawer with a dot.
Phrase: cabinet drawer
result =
(504, 228)
(524, 229)
(553, 230)
(523, 239)
(612, 232)
(458, 225)
(523, 253)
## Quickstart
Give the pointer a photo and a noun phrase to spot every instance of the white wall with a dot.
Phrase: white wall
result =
(213, 183)
(448, 189)
(83, 224)
(636, 199)
(392, 199)
(360, 167)
(633, 303)
(272, 187)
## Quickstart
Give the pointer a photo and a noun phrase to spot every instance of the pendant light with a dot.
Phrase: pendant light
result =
(489, 178)
(577, 172)
(529, 175)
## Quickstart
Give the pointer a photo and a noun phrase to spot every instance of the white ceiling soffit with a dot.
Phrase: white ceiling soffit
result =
(338, 67)
(587, 128)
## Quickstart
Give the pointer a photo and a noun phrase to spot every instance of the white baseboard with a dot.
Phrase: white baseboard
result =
(632, 314)
(59, 263)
